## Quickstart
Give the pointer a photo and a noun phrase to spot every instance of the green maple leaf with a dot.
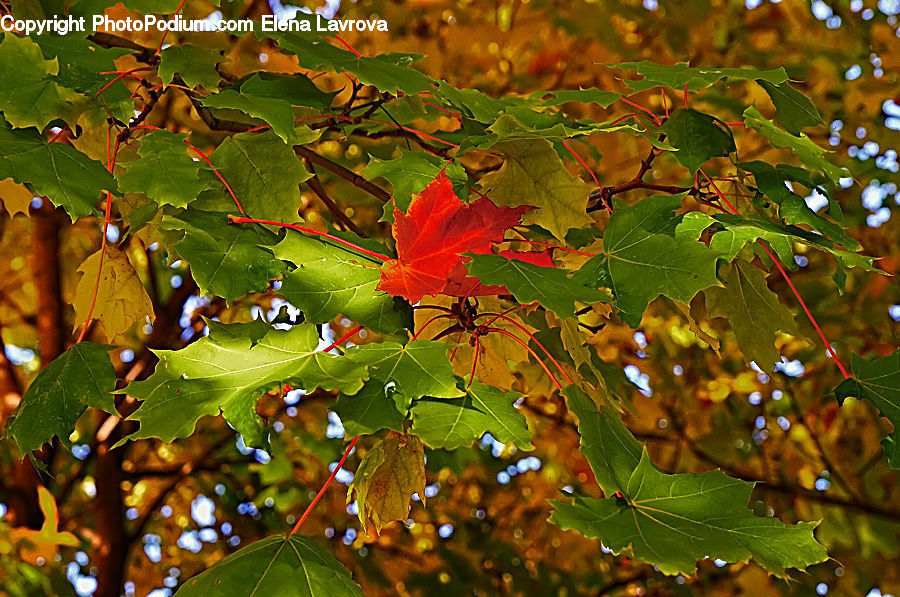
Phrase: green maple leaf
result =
(410, 173)
(264, 174)
(80, 377)
(80, 64)
(197, 66)
(368, 411)
(671, 521)
(60, 172)
(533, 174)
(752, 311)
(28, 94)
(271, 97)
(648, 258)
(388, 475)
(457, 423)
(284, 565)
(584, 96)
(771, 181)
(737, 231)
(387, 72)
(476, 105)
(226, 260)
(416, 369)
(554, 288)
(802, 146)
(165, 172)
(878, 381)
(794, 110)
(698, 137)
(330, 281)
(228, 370)
(681, 74)
(607, 444)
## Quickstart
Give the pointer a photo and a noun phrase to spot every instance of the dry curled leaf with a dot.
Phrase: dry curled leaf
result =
(390, 473)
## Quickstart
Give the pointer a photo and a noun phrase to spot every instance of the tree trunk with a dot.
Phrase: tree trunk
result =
(110, 557)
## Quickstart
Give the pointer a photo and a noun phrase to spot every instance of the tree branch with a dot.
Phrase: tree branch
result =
(319, 190)
(348, 175)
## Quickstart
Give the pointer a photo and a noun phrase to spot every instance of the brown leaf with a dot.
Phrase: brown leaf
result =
(390, 473)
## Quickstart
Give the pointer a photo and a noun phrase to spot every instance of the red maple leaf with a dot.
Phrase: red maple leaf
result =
(433, 234)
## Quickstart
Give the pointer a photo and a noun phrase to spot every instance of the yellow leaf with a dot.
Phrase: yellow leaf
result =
(495, 351)
(122, 299)
(43, 543)
(533, 174)
(390, 473)
(15, 197)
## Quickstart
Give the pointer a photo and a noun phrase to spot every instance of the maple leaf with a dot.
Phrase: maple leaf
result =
(460, 283)
(434, 232)
(119, 298)
(390, 473)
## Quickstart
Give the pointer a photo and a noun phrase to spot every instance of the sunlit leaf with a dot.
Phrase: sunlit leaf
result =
(165, 172)
(671, 521)
(647, 258)
(533, 174)
(119, 299)
(227, 371)
(292, 566)
(264, 174)
(451, 424)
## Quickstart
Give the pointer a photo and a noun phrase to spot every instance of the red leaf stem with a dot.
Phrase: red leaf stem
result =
(342, 338)
(530, 335)
(237, 220)
(219, 174)
(642, 109)
(119, 76)
(793, 288)
(312, 504)
(163, 38)
(530, 350)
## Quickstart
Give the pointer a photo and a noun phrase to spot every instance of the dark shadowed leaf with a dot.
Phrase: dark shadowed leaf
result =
(80, 377)
(60, 172)
(793, 109)
(878, 381)
(554, 288)
(698, 137)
